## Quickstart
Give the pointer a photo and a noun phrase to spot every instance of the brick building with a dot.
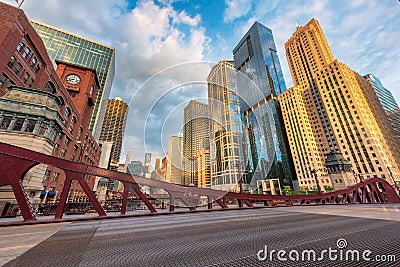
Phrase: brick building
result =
(27, 77)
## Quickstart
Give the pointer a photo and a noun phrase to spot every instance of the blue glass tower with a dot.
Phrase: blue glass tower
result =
(259, 82)
(384, 95)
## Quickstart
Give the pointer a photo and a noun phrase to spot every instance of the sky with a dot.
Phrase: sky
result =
(165, 49)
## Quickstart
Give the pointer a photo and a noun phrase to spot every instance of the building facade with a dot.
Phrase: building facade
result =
(226, 145)
(302, 143)
(394, 119)
(259, 82)
(384, 95)
(195, 136)
(68, 47)
(341, 105)
(174, 160)
(114, 128)
(135, 167)
(44, 117)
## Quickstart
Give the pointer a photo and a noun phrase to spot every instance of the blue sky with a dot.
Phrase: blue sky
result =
(150, 36)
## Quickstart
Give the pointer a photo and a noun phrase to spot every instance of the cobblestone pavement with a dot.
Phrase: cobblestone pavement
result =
(226, 238)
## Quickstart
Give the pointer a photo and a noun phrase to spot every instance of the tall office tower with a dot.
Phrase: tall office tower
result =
(302, 143)
(147, 164)
(259, 82)
(74, 49)
(226, 151)
(174, 160)
(195, 133)
(157, 165)
(114, 128)
(340, 105)
(384, 95)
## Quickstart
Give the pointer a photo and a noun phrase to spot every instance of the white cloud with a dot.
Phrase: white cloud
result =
(147, 39)
(236, 9)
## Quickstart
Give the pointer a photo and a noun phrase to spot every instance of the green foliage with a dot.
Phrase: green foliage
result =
(328, 188)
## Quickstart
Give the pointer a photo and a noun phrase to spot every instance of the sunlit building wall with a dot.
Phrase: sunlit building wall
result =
(302, 143)
(337, 103)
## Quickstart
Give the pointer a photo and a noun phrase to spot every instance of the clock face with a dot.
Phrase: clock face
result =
(73, 79)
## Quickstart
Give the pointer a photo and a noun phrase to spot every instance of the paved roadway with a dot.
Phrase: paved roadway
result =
(225, 238)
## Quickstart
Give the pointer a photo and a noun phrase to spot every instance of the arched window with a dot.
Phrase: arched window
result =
(50, 87)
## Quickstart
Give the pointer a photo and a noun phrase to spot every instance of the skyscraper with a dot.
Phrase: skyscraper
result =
(259, 82)
(195, 136)
(114, 128)
(302, 143)
(174, 160)
(384, 95)
(68, 47)
(394, 119)
(341, 105)
(157, 165)
(226, 151)
(147, 165)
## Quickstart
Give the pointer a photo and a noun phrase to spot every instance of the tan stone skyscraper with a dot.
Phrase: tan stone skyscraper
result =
(337, 101)
(302, 142)
(114, 128)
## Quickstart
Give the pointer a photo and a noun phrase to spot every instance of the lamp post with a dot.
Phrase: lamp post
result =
(314, 171)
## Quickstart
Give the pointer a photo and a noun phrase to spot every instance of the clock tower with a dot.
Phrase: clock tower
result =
(82, 84)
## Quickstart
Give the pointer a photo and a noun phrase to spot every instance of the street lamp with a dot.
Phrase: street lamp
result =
(314, 171)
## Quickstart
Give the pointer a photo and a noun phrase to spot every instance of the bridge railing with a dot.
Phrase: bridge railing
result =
(16, 162)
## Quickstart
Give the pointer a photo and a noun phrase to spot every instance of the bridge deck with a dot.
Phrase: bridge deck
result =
(229, 238)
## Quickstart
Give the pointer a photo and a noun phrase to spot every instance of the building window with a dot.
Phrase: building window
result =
(37, 69)
(26, 53)
(5, 123)
(63, 152)
(50, 87)
(30, 84)
(47, 175)
(43, 128)
(67, 141)
(67, 112)
(18, 124)
(25, 78)
(20, 46)
(56, 147)
(18, 69)
(11, 63)
(33, 62)
(55, 176)
(3, 79)
(30, 126)
(72, 157)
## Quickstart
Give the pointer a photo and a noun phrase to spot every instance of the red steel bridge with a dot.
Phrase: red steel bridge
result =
(15, 162)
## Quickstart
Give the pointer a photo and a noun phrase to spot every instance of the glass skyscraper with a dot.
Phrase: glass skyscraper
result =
(71, 48)
(226, 157)
(259, 82)
(384, 95)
